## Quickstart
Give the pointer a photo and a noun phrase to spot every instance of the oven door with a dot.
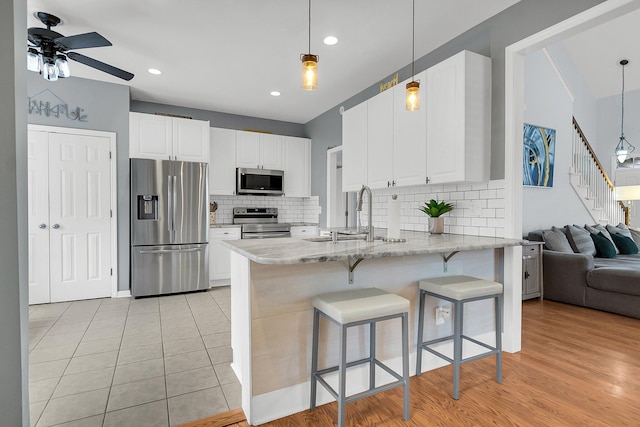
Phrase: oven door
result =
(266, 235)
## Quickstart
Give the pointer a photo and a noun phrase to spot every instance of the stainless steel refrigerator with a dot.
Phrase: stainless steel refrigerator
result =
(169, 227)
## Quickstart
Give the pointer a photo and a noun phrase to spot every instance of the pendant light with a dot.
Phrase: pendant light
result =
(623, 149)
(309, 64)
(413, 87)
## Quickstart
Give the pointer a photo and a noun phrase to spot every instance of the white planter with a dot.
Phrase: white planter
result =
(436, 225)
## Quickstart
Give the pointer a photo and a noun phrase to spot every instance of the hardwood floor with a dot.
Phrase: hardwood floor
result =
(577, 367)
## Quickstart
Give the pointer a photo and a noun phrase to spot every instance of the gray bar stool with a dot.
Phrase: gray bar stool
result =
(353, 308)
(460, 290)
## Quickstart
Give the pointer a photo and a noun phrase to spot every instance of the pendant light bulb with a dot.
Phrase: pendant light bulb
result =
(413, 96)
(309, 64)
(413, 87)
(309, 72)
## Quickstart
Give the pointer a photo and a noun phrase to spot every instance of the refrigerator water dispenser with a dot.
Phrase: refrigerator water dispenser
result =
(147, 207)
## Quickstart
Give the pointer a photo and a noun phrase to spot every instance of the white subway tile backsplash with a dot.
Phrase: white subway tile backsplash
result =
(479, 207)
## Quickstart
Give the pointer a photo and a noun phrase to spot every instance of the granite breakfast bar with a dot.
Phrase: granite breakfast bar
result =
(273, 282)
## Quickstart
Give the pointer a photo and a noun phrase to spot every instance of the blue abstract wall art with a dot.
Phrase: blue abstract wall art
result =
(538, 156)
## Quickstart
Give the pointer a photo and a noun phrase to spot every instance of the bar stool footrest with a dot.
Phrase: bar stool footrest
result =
(492, 350)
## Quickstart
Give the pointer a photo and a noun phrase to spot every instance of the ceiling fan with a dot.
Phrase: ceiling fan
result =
(49, 50)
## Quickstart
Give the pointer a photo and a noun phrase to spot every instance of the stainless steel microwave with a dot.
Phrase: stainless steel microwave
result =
(266, 182)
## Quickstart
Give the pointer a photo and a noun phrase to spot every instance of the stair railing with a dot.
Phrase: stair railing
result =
(595, 179)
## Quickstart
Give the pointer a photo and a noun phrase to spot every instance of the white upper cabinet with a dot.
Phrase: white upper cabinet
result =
(447, 140)
(409, 136)
(161, 137)
(258, 150)
(222, 164)
(380, 140)
(459, 119)
(296, 162)
(354, 148)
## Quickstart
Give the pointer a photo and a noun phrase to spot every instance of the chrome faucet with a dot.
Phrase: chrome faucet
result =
(359, 209)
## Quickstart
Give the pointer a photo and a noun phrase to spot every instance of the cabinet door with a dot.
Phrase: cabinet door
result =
(445, 121)
(219, 255)
(247, 149)
(191, 140)
(304, 231)
(150, 136)
(380, 140)
(270, 151)
(354, 148)
(409, 136)
(222, 163)
(296, 157)
(459, 119)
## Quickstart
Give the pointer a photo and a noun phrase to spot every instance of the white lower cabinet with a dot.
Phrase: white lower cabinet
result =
(219, 255)
(302, 231)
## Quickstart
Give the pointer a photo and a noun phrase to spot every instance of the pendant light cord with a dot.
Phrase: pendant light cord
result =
(413, 39)
(309, 28)
(622, 120)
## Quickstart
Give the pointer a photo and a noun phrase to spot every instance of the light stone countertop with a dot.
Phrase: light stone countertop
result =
(300, 251)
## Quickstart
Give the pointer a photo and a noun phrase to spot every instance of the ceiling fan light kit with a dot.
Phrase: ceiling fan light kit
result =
(309, 64)
(48, 51)
(624, 148)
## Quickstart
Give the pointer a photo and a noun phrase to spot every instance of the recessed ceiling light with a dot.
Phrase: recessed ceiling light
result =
(154, 71)
(275, 93)
(330, 40)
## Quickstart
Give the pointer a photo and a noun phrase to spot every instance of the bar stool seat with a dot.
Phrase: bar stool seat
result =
(460, 290)
(353, 308)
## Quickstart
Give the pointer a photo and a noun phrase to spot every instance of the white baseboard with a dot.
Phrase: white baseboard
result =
(123, 294)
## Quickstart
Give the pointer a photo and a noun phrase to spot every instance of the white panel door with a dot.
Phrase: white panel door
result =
(79, 188)
(39, 226)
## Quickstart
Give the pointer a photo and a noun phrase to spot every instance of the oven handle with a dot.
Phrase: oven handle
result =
(266, 235)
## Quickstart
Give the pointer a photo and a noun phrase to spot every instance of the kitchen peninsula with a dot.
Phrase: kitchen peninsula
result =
(273, 282)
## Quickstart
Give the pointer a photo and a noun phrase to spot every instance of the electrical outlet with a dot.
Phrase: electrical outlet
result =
(442, 314)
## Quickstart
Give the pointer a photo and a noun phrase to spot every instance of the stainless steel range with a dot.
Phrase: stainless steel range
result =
(260, 223)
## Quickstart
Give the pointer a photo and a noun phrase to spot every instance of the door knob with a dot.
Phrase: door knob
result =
(42, 226)
(55, 226)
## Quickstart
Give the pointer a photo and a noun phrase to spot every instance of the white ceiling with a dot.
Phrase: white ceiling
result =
(227, 55)
(597, 54)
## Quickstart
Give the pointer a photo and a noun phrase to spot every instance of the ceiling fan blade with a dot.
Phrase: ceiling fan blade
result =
(81, 41)
(94, 63)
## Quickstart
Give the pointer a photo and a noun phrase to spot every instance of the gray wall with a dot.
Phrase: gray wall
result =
(489, 38)
(609, 125)
(14, 392)
(223, 120)
(106, 106)
(548, 104)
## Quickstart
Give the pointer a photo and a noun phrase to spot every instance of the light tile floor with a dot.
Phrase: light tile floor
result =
(148, 362)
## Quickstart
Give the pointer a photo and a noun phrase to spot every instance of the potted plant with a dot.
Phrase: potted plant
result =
(434, 210)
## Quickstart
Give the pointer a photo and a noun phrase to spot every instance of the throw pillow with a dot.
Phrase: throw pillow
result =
(619, 229)
(556, 240)
(635, 235)
(599, 228)
(604, 247)
(580, 240)
(626, 245)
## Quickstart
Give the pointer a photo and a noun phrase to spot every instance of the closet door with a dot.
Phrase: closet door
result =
(79, 189)
(38, 208)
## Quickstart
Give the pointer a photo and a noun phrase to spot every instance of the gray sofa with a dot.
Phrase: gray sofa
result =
(608, 284)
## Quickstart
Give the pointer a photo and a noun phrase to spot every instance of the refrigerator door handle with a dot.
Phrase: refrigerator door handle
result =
(169, 200)
(175, 202)
(168, 251)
